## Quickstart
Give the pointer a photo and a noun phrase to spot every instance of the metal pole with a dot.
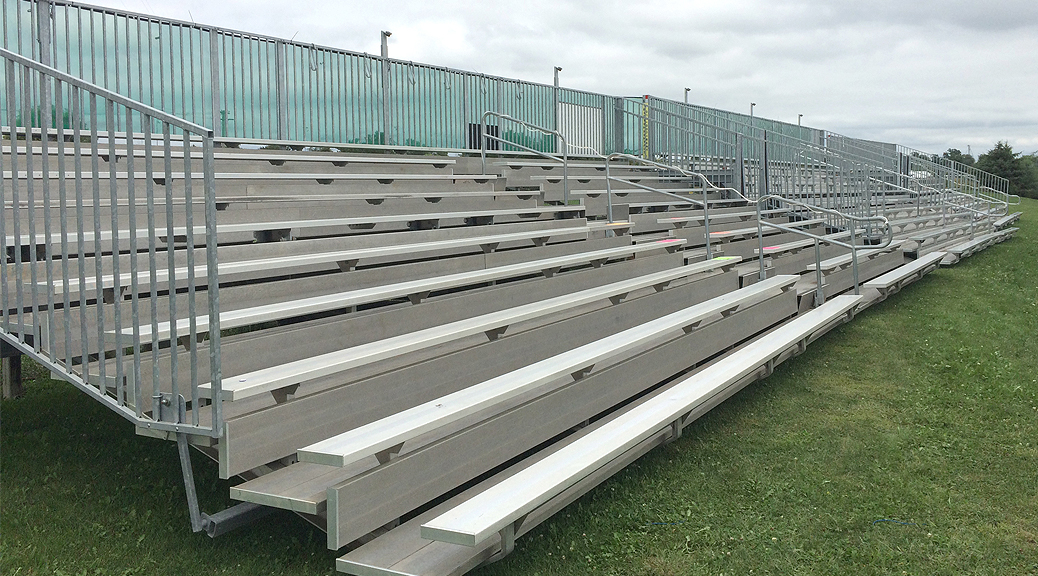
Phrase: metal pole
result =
(686, 96)
(555, 103)
(44, 25)
(281, 73)
(214, 80)
(819, 292)
(386, 132)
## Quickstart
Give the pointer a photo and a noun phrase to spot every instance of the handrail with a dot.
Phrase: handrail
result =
(95, 115)
(484, 136)
(853, 246)
(979, 214)
(1009, 197)
(686, 173)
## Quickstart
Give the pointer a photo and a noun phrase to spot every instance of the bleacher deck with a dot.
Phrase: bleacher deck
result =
(426, 361)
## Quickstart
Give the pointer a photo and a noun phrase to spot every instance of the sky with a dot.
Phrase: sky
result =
(931, 75)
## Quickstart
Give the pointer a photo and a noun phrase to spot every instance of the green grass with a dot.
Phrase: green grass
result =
(923, 410)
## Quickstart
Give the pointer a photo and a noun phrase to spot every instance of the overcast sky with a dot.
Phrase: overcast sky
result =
(930, 75)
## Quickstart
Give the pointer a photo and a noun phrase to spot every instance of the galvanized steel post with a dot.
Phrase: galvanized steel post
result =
(386, 122)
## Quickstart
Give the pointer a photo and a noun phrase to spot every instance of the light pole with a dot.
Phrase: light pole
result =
(799, 118)
(800, 131)
(386, 128)
(686, 96)
(752, 104)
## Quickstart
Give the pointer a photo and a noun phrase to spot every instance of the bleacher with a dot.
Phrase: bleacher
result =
(422, 357)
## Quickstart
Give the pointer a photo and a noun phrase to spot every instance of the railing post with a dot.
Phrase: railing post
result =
(618, 125)
(387, 137)
(213, 287)
(760, 242)
(740, 169)
(281, 72)
(819, 291)
(43, 22)
(466, 111)
(214, 79)
(854, 258)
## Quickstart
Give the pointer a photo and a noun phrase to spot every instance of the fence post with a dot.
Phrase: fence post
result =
(387, 137)
(214, 79)
(618, 125)
(740, 169)
(44, 31)
(280, 70)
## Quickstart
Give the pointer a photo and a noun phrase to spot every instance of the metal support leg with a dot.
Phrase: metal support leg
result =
(233, 517)
(11, 374)
(189, 482)
(819, 290)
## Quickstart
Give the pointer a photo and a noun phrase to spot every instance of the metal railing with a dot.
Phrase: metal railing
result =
(707, 185)
(485, 135)
(851, 232)
(246, 85)
(84, 240)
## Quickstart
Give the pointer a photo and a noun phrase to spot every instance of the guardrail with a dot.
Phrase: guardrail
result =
(484, 135)
(693, 175)
(58, 179)
(853, 246)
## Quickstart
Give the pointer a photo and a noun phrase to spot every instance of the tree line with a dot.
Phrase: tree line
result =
(1020, 169)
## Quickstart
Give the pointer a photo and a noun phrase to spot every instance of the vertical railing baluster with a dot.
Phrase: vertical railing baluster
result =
(131, 221)
(213, 289)
(192, 339)
(113, 186)
(171, 265)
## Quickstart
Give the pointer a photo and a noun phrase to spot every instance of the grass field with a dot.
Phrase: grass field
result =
(905, 442)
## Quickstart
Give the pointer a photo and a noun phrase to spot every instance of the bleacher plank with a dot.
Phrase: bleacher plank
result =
(261, 430)
(493, 324)
(385, 434)
(1006, 220)
(346, 259)
(895, 279)
(292, 226)
(320, 178)
(682, 221)
(412, 289)
(449, 457)
(275, 158)
(844, 260)
(504, 504)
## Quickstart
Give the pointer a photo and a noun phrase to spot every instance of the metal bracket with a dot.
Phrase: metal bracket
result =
(417, 297)
(690, 328)
(495, 333)
(508, 538)
(384, 456)
(347, 265)
(577, 375)
(617, 298)
(284, 394)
